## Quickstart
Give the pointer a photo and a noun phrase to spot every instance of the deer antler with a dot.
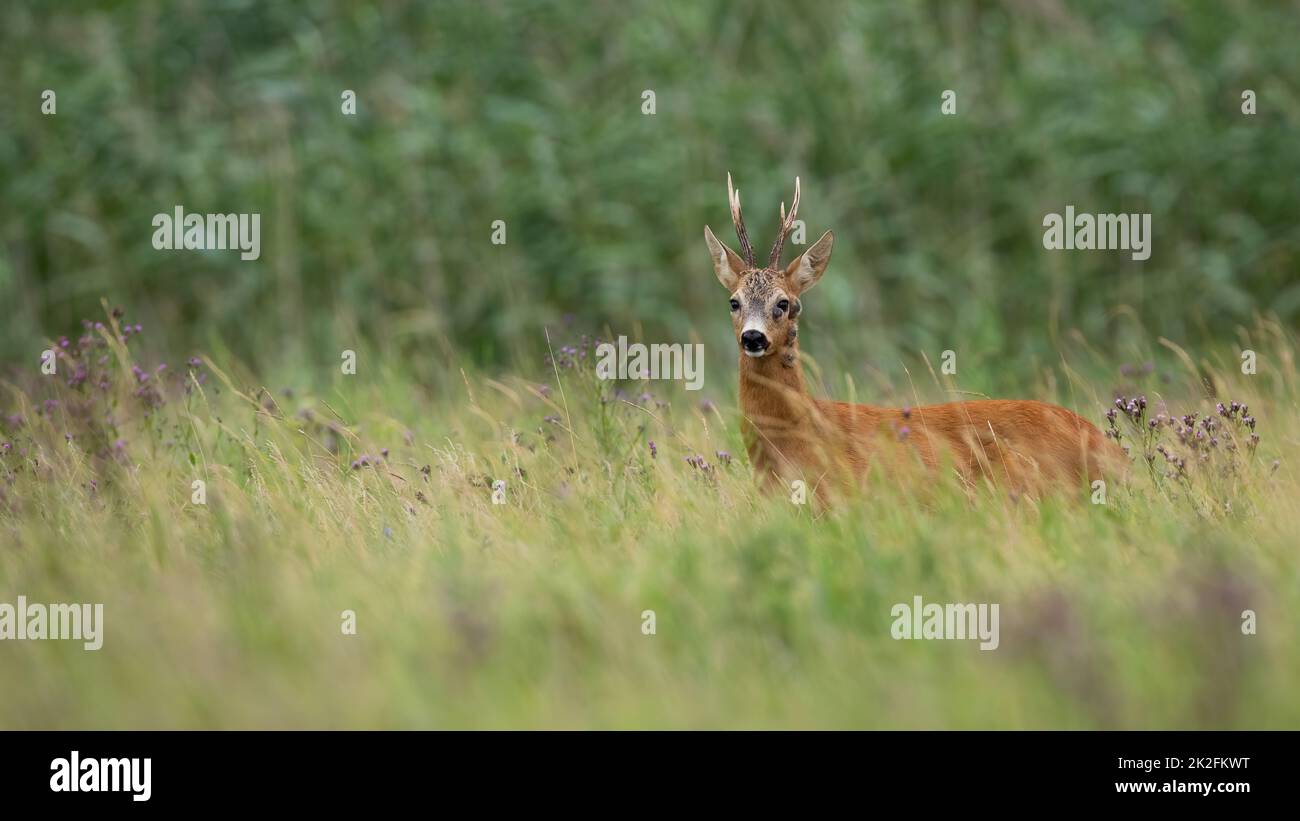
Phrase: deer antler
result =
(787, 222)
(733, 197)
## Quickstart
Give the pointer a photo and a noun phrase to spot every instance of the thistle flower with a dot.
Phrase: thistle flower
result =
(654, 451)
(698, 462)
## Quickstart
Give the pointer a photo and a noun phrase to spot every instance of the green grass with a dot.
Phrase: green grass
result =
(376, 238)
(529, 613)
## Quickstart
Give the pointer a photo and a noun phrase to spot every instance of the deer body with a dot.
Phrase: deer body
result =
(1026, 446)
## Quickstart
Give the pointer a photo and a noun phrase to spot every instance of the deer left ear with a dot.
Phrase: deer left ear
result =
(809, 266)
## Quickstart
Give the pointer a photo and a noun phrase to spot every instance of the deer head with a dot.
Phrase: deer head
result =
(765, 301)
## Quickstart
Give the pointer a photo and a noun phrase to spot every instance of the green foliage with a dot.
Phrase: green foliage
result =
(377, 226)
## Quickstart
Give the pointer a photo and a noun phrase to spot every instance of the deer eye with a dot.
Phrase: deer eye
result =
(735, 304)
(783, 305)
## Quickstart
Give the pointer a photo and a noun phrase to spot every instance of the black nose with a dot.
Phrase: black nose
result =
(753, 341)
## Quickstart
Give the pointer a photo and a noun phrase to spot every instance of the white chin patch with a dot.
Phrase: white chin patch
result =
(754, 354)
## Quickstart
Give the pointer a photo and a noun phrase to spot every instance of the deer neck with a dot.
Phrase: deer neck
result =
(773, 397)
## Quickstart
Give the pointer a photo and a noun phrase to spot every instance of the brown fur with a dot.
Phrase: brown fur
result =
(1027, 446)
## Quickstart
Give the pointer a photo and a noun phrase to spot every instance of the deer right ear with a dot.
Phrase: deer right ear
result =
(727, 264)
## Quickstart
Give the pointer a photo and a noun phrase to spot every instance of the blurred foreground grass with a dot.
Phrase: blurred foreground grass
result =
(372, 497)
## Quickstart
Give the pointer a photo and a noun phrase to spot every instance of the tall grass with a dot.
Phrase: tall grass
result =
(373, 496)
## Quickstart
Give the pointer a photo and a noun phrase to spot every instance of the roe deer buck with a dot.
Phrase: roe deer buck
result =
(1025, 445)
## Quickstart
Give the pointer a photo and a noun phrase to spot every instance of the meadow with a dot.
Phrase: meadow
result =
(502, 528)
(618, 499)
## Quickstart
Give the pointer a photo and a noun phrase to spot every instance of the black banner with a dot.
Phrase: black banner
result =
(232, 770)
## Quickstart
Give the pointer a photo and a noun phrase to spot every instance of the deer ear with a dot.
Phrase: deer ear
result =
(809, 266)
(727, 264)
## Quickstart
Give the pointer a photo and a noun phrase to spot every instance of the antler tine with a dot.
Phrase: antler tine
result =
(787, 222)
(733, 199)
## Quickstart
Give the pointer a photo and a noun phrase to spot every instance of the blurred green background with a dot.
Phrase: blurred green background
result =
(376, 228)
